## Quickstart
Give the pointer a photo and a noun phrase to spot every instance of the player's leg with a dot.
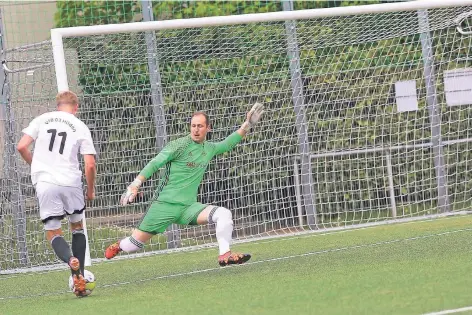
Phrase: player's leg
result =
(55, 237)
(156, 220)
(79, 241)
(51, 211)
(79, 244)
(74, 205)
(63, 251)
(222, 217)
(130, 244)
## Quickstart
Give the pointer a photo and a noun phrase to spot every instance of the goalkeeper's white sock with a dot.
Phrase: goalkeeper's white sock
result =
(224, 227)
(131, 245)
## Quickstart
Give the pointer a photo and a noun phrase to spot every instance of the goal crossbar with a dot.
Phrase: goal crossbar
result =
(57, 34)
(257, 17)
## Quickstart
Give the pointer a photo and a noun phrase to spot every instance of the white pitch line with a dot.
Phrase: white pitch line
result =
(453, 311)
(199, 271)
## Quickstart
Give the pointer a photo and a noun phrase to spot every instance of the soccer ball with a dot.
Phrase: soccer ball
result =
(89, 282)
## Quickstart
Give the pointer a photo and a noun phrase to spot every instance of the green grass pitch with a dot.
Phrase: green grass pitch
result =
(409, 268)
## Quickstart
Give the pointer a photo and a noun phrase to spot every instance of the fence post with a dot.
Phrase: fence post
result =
(434, 112)
(391, 187)
(308, 193)
(12, 170)
(173, 233)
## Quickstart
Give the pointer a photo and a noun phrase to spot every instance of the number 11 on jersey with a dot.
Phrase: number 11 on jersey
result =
(63, 135)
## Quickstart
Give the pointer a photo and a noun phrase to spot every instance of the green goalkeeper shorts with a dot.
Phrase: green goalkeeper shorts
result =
(162, 214)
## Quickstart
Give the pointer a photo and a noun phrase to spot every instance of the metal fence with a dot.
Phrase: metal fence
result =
(26, 48)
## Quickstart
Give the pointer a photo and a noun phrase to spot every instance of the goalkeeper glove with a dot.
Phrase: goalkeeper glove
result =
(253, 116)
(131, 192)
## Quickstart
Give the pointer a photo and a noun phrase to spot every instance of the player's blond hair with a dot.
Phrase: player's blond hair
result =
(67, 97)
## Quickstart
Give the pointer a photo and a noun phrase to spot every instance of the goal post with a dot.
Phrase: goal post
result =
(366, 120)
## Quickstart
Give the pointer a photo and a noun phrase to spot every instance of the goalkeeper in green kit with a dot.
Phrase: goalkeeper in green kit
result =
(186, 160)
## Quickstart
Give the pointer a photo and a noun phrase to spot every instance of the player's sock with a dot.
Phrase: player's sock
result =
(79, 244)
(131, 245)
(224, 227)
(61, 248)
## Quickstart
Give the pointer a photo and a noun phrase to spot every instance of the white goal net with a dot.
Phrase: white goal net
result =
(368, 120)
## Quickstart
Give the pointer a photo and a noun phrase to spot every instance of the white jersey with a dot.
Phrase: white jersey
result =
(59, 137)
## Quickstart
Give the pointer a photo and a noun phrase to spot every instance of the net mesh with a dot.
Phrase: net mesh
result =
(366, 160)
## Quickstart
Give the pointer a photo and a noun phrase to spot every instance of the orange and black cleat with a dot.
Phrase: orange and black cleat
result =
(230, 258)
(79, 281)
(79, 285)
(112, 250)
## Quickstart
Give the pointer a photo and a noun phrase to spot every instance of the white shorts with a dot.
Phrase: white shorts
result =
(55, 202)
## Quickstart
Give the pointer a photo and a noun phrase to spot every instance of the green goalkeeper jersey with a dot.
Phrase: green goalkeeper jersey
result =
(186, 162)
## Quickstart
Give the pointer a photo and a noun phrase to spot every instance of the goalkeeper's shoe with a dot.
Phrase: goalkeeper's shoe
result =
(79, 281)
(230, 258)
(112, 250)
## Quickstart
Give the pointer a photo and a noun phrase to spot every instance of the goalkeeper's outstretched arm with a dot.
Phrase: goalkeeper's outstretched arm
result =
(252, 118)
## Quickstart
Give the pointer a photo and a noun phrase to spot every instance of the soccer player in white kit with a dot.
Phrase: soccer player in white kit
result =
(59, 137)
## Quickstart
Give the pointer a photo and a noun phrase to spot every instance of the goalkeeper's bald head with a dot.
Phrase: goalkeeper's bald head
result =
(207, 119)
(199, 126)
